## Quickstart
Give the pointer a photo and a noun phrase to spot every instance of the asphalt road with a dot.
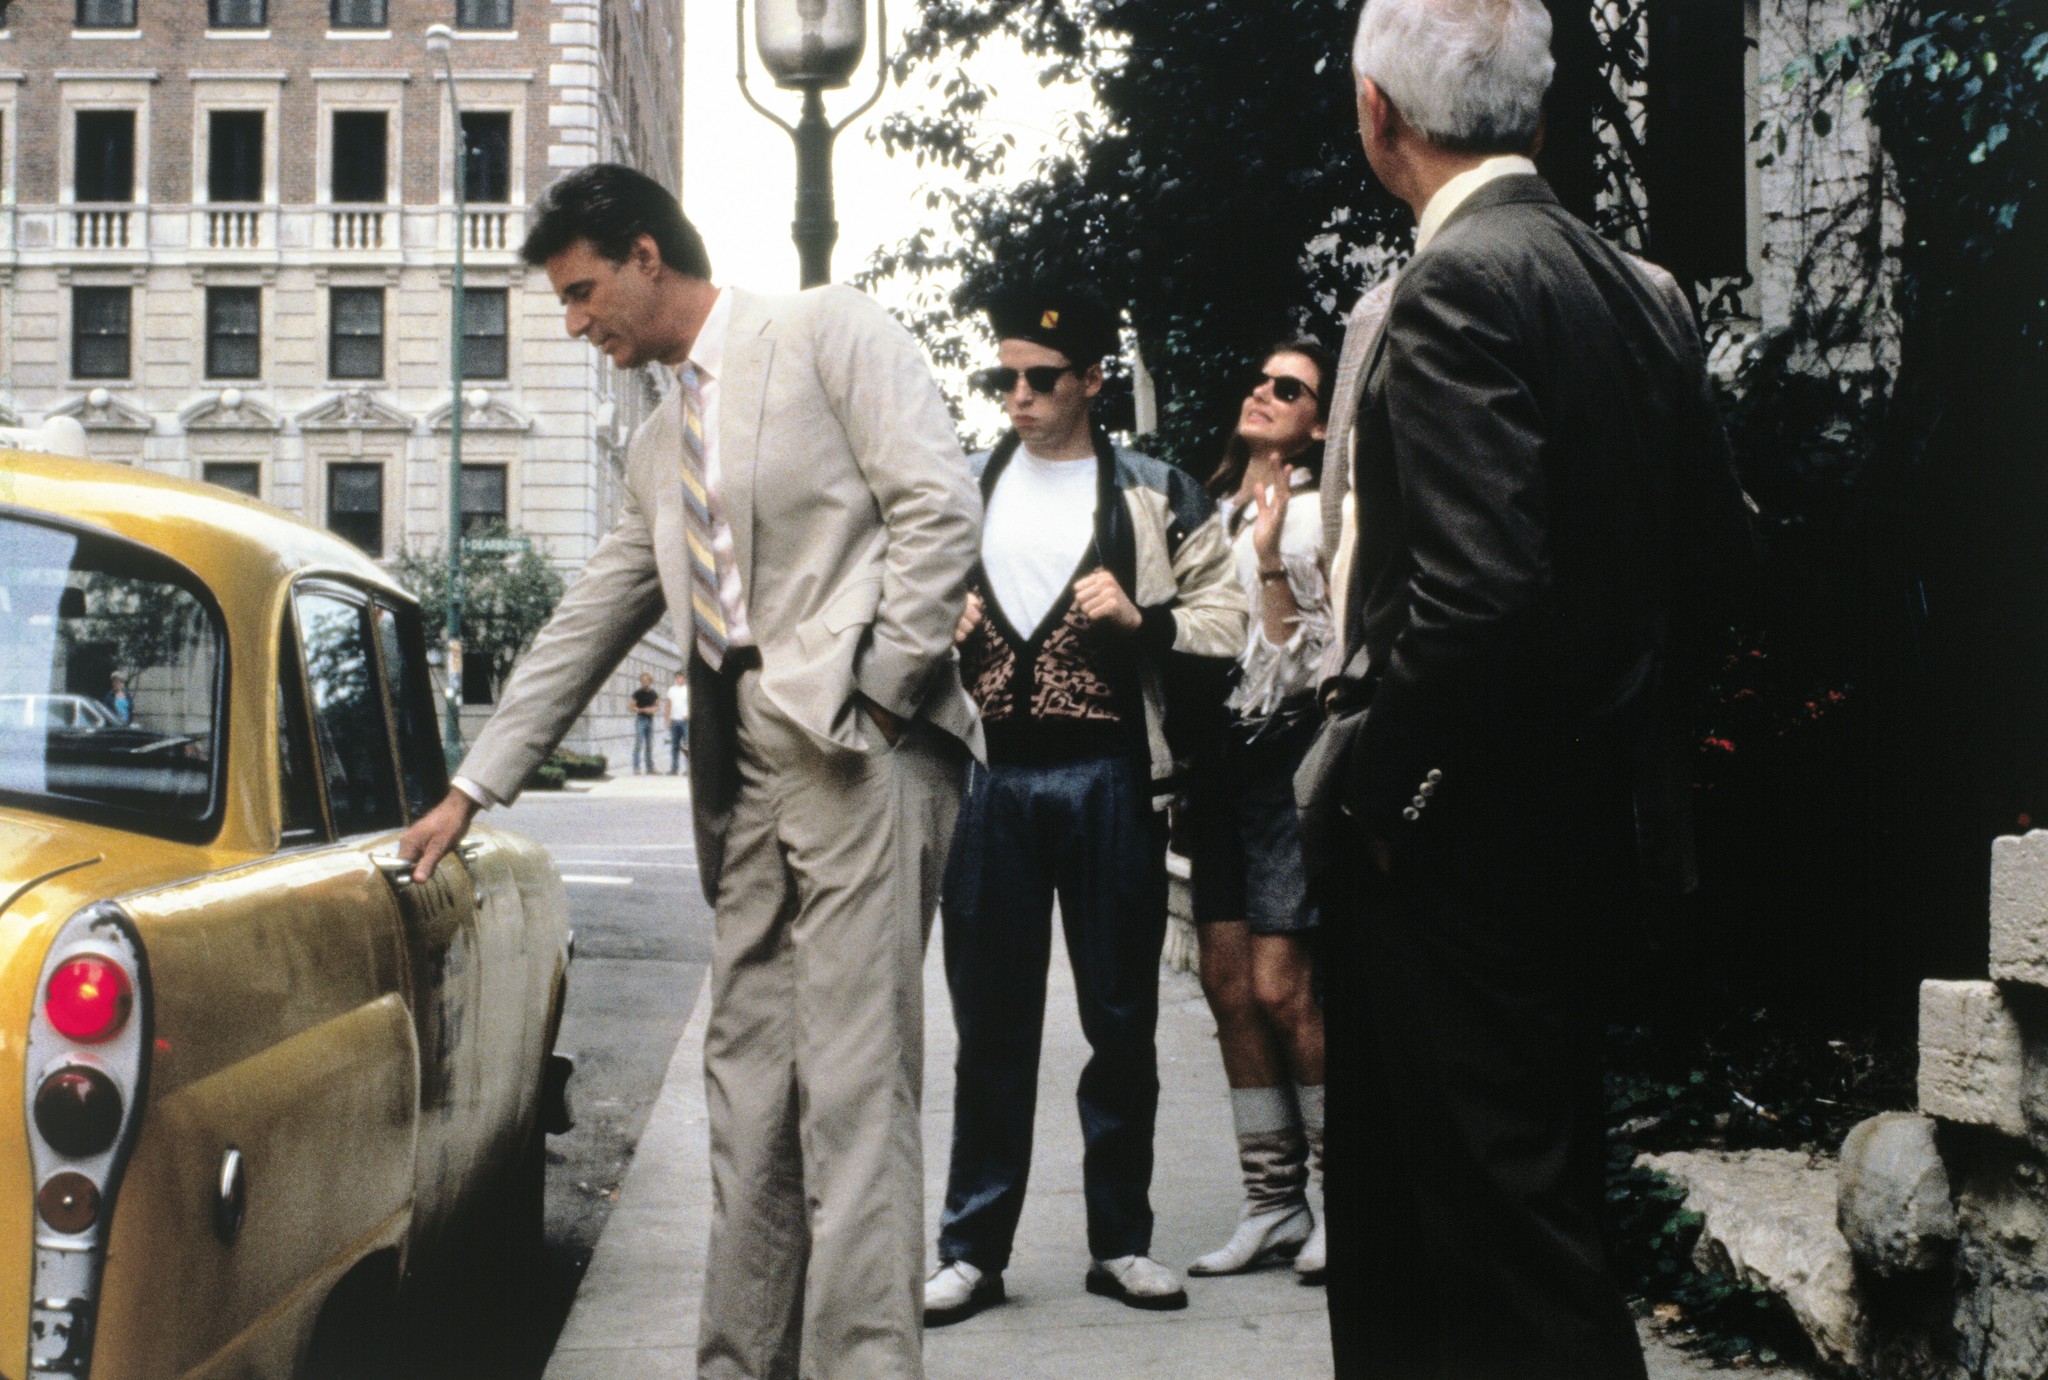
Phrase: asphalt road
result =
(643, 941)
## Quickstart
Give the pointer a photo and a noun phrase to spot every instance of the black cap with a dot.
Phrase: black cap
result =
(1078, 325)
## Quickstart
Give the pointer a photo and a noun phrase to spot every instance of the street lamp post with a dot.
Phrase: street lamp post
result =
(440, 43)
(812, 46)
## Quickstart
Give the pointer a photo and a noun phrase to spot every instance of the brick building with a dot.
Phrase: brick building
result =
(227, 243)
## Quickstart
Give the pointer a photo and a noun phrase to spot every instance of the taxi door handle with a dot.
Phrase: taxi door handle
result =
(470, 849)
(396, 870)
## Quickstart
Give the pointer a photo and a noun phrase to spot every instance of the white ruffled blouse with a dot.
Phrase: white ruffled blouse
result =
(1271, 674)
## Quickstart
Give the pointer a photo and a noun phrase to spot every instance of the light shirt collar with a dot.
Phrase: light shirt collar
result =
(707, 351)
(1452, 194)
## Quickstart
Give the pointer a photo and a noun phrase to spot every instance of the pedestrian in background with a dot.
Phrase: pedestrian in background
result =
(118, 701)
(1096, 563)
(646, 703)
(675, 715)
(1254, 919)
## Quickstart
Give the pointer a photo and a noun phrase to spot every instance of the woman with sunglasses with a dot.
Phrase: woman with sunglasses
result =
(1252, 913)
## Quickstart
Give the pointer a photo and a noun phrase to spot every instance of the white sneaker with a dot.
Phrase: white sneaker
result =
(1137, 1280)
(1315, 1256)
(957, 1291)
(1259, 1240)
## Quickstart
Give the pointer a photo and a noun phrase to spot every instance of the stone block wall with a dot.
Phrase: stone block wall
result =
(1946, 1212)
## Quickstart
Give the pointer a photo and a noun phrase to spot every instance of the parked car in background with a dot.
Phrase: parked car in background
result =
(270, 1085)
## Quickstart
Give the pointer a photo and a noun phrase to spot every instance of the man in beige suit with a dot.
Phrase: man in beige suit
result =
(801, 504)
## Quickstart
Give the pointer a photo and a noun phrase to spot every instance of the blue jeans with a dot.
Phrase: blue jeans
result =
(678, 743)
(643, 742)
(1086, 832)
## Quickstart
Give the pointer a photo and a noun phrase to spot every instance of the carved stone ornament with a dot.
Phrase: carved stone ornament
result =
(229, 410)
(103, 410)
(481, 412)
(356, 409)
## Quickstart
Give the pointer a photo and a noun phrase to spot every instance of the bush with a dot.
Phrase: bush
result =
(546, 777)
(579, 766)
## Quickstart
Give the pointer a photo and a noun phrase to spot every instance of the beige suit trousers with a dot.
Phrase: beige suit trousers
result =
(814, 1053)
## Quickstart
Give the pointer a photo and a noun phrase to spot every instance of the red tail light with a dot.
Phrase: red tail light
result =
(88, 999)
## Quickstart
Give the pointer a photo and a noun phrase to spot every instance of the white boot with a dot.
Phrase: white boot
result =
(1272, 1154)
(1315, 1253)
(1259, 1240)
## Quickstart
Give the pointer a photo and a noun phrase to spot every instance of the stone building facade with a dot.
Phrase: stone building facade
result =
(228, 235)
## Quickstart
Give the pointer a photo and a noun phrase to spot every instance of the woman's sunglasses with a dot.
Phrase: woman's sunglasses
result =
(1043, 378)
(1286, 387)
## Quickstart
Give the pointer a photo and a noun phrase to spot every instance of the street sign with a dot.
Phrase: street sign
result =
(495, 546)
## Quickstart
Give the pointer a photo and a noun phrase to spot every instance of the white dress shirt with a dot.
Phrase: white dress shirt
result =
(1452, 194)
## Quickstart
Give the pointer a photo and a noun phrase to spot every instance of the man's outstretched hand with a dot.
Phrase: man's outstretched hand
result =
(434, 834)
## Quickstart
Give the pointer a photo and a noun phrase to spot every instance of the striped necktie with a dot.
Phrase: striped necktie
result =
(707, 615)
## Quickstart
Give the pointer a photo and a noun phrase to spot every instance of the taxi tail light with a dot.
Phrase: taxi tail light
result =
(78, 1111)
(89, 999)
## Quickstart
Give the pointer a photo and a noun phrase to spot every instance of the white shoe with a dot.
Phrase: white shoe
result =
(1315, 1256)
(1259, 1240)
(957, 1291)
(1137, 1280)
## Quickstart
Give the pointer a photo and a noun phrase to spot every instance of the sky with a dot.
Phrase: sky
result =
(739, 171)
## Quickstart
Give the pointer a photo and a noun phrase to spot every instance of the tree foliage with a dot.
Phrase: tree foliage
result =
(1217, 192)
(506, 597)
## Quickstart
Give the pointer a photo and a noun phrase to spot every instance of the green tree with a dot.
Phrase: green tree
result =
(506, 597)
(1217, 193)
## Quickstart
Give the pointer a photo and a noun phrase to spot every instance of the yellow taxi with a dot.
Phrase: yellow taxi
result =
(268, 1083)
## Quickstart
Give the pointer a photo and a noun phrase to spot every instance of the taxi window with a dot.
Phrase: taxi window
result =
(298, 788)
(349, 723)
(113, 684)
(410, 703)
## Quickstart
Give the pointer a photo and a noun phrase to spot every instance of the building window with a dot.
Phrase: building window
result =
(360, 138)
(234, 332)
(483, 498)
(106, 14)
(483, 14)
(358, 14)
(234, 155)
(487, 155)
(1696, 126)
(355, 505)
(483, 333)
(355, 333)
(103, 155)
(235, 14)
(99, 332)
(245, 479)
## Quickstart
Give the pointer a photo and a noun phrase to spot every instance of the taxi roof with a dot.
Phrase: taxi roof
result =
(222, 537)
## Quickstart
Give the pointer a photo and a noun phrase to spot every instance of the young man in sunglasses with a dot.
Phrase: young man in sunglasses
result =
(1096, 564)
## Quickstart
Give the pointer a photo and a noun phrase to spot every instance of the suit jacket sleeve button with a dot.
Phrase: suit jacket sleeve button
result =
(1434, 776)
(1427, 788)
(1411, 814)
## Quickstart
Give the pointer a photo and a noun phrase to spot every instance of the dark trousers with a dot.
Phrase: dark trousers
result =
(1086, 832)
(1464, 1161)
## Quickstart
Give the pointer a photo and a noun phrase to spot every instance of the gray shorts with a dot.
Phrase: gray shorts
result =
(1244, 836)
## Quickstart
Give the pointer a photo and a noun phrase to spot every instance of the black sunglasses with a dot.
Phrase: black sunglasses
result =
(1043, 378)
(1287, 388)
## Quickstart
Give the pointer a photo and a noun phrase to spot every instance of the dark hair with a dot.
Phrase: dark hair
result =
(1237, 452)
(612, 206)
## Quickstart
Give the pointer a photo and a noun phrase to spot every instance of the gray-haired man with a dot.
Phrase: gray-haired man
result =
(1538, 467)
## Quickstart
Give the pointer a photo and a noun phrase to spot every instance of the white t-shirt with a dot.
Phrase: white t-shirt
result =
(1040, 520)
(679, 702)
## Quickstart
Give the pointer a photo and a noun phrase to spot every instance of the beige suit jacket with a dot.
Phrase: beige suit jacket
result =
(854, 526)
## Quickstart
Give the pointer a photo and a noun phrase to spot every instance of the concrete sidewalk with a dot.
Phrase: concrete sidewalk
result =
(636, 1315)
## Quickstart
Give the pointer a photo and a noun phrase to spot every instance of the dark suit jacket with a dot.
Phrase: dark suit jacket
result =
(1545, 499)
